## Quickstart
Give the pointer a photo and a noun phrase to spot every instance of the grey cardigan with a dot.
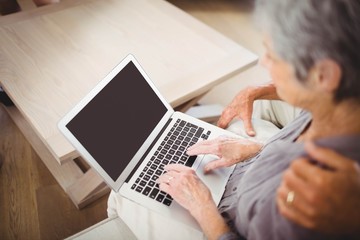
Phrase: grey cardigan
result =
(249, 202)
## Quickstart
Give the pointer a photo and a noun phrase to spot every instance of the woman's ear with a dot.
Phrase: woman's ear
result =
(327, 75)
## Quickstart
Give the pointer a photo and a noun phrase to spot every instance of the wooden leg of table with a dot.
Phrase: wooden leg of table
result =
(87, 189)
(83, 188)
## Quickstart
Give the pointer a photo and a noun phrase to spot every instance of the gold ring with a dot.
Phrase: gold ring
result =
(290, 197)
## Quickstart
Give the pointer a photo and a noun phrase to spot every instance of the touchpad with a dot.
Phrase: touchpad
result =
(216, 179)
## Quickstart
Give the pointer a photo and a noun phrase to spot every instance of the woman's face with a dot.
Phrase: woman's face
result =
(288, 87)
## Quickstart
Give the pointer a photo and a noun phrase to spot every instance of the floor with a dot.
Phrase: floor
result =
(33, 205)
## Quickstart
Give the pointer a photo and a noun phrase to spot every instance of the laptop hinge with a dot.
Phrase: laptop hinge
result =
(147, 151)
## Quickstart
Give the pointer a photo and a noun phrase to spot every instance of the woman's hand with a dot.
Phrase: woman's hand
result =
(242, 105)
(229, 150)
(185, 187)
(189, 191)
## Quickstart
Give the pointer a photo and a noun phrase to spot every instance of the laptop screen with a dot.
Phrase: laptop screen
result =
(116, 122)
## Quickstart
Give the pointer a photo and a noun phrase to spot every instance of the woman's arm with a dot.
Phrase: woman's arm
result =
(210, 220)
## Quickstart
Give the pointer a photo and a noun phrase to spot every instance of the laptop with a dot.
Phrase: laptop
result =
(127, 132)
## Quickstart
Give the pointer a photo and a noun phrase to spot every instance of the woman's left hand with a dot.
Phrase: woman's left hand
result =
(229, 150)
(185, 187)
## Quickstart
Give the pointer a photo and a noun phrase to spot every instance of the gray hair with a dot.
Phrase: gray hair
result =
(306, 31)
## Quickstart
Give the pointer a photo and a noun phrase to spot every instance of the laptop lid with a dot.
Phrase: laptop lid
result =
(115, 123)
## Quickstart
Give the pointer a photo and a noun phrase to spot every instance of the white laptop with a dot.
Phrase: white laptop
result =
(127, 132)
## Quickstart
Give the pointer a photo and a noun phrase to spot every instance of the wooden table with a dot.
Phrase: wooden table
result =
(52, 56)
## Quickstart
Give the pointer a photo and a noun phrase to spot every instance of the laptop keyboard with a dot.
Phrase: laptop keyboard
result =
(171, 150)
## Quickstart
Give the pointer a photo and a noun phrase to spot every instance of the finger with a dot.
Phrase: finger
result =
(306, 170)
(249, 127)
(215, 165)
(164, 178)
(203, 147)
(165, 187)
(292, 214)
(294, 182)
(301, 190)
(204, 143)
(246, 117)
(225, 119)
(327, 156)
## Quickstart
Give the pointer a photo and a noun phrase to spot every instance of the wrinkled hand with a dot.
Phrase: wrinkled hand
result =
(185, 187)
(325, 200)
(240, 107)
(229, 150)
(189, 191)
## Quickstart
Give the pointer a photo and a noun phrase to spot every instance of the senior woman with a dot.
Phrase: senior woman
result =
(312, 56)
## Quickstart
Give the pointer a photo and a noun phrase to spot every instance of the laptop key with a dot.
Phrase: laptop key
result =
(153, 193)
(139, 189)
(199, 132)
(182, 123)
(191, 143)
(146, 191)
(160, 198)
(190, 161)
(151, 183)
(167, 202)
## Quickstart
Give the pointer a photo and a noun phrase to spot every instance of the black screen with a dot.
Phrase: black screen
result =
(117, 121)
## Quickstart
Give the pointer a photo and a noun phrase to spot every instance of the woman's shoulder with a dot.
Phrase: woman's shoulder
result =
(347, 145)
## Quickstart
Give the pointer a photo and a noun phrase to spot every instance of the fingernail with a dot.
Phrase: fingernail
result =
(251, 133)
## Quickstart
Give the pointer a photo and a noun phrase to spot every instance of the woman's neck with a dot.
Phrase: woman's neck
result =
(341, 119)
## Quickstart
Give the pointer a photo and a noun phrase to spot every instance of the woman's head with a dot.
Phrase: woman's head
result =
(306, 32)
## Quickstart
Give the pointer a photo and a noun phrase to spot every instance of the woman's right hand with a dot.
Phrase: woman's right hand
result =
(229, 150)
(241, 106)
